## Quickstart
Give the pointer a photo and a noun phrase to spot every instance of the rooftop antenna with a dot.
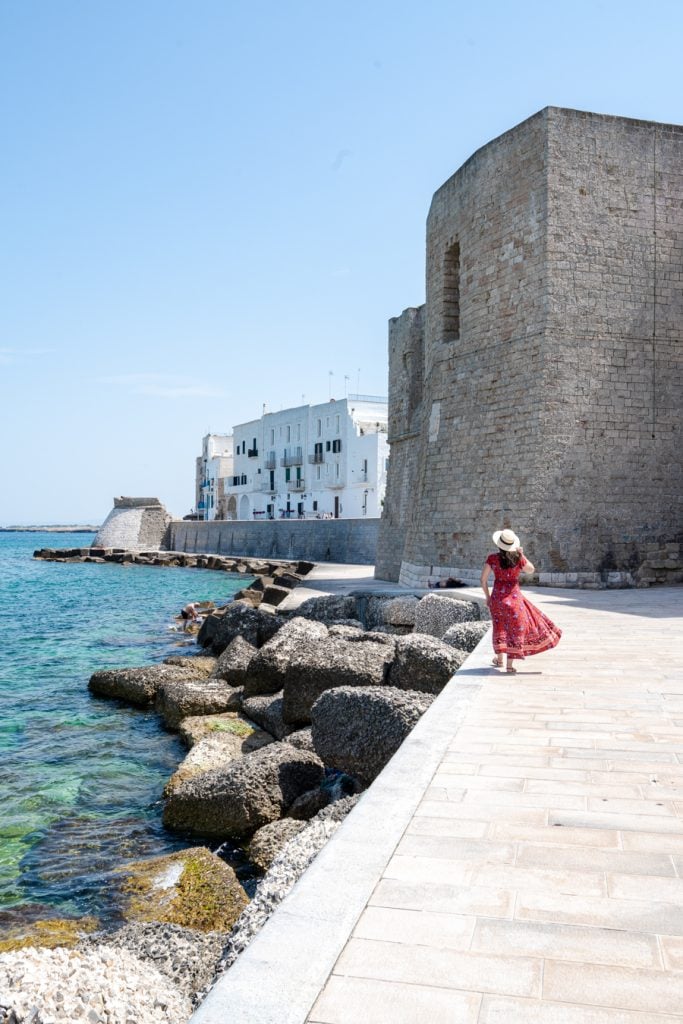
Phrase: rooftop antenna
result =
(358, 386)
(346, 385)
(330, 374)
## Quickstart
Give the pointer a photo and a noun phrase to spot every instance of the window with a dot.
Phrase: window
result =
(328, 446)
(336, 470)
(337, 424)
(327, 422)
(336, 445)
(272, 435)
(320, 427)
(289, 433)
(315, 506)
(317, 476)
(288, 474)
(450, 303)
(298, 431)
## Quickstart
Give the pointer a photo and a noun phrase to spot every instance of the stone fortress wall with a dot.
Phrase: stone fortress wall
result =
(541, 384)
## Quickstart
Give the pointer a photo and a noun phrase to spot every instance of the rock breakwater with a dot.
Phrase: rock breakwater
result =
(284, 715)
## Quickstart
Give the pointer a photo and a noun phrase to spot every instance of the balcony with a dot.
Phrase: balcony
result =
(335, 483)
(292, 459)
(270, 461)
(264, 487)
(296, 485)
(252, 453)
(317, 458)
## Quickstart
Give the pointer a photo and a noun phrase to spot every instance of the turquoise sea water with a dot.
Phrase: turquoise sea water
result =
(81, 778)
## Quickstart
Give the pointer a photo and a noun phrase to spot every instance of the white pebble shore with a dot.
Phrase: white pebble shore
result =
(105, 986)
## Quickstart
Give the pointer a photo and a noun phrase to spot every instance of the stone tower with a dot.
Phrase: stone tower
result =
(540, 386)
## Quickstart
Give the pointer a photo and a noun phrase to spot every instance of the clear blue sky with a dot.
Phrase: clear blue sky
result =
(207, 206)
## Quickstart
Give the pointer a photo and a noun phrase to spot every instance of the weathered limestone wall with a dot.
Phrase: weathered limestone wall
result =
(552, 370)
(352, 541)
(406, 382)
(137, 524)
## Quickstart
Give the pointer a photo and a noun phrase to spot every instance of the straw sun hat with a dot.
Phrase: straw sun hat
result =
(506, 540)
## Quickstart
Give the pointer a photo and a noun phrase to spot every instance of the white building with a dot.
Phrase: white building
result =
(214, 470)
(311, 461)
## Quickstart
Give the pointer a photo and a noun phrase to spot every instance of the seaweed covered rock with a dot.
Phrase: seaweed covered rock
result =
(273, 663)
(196, 727)
(424, 663)
(216, 751)
(267, 842)
(249, 793)
(234, 662)
(358, 730)
(466, 635)
(138, 686)
(182, 698)
(193, 888)
(336, 661)
(435, 614)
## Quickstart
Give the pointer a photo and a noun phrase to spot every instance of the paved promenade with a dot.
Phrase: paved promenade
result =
(519, 860)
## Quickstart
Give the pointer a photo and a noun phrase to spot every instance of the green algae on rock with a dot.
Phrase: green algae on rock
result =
(193, 888)
(48, 933)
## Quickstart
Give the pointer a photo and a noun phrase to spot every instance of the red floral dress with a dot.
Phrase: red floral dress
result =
(519, 627)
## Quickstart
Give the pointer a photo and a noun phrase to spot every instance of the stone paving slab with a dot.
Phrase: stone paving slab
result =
(521, 857)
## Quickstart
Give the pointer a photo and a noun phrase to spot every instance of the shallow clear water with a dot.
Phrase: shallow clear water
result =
(81, 778)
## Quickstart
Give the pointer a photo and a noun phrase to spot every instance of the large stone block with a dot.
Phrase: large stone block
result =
(359, 729)
(435, 614)
(236, 800)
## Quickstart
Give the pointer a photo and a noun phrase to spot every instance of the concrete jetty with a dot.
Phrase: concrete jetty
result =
(520, 859)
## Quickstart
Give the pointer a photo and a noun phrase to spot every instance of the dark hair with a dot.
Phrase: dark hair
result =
(508, 559)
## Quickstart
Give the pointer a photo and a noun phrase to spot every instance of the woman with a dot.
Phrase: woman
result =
(519, 627)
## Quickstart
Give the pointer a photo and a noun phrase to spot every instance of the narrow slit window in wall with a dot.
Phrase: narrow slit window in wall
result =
(451, 293)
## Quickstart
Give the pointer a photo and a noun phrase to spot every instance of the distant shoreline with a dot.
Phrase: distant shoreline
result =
(49, 529)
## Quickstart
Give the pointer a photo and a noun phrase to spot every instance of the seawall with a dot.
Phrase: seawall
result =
(318, 540)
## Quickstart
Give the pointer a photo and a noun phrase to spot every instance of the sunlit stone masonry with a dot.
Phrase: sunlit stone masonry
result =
(540, 386)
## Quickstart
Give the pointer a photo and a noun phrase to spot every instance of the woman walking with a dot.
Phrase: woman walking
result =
(519, 627)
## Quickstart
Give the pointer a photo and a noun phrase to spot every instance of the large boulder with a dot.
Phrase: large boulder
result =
(255, 625)
(466, 635)
(179, 699)
(137, 686)
(435, 614)
(272, 664)
(382, 610)
(233, 663)
(358, 729)
(215, 751)
(334, 662)
(238, 799)
(270, 839)
(328, 608)
(193, 888)
(266, 711)
(200, 665)
(196, 727)
(424, 663)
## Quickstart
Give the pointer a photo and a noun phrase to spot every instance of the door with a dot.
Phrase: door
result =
(336, 506)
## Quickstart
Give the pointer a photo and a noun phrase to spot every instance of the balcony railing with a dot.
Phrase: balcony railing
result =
(335, 482)
(296, 485)
(317, 458)
(270, 461)
(265, 488)
(292, 459)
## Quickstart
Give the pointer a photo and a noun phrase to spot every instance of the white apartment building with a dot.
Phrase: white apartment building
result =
(324, 461)
(214, 469)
